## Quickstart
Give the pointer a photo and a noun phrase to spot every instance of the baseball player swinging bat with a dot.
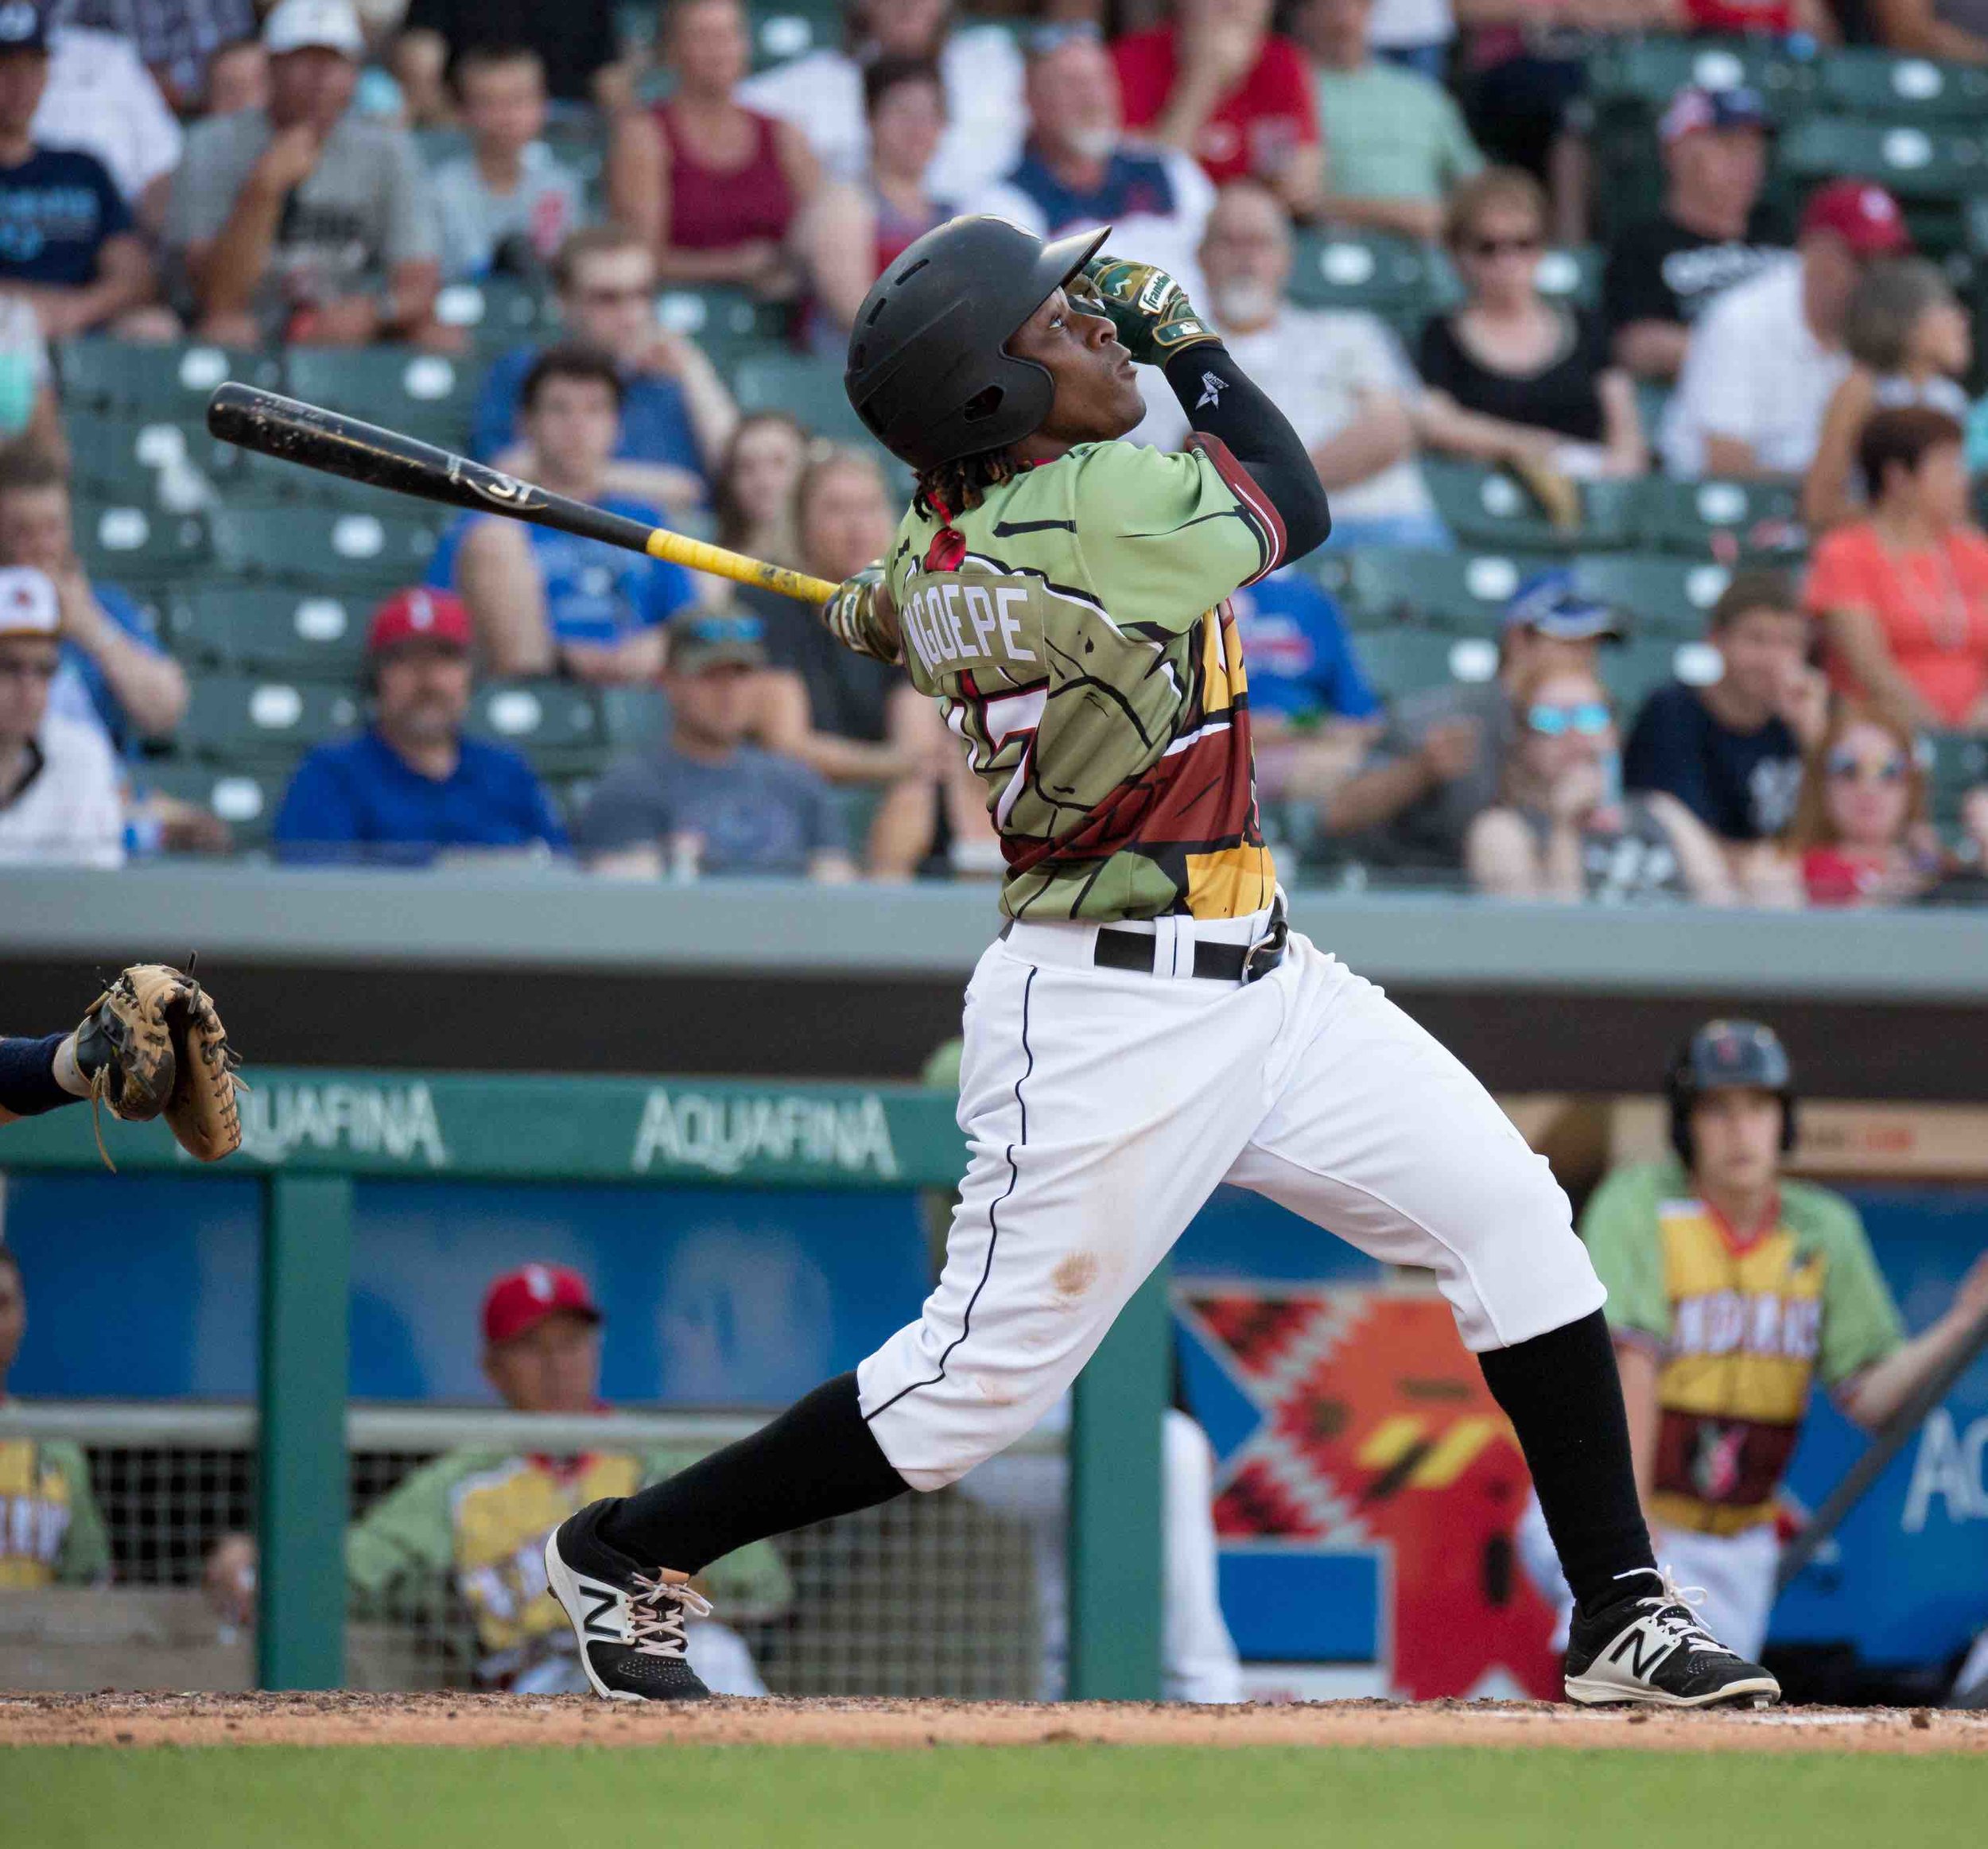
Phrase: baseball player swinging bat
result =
(314, 437)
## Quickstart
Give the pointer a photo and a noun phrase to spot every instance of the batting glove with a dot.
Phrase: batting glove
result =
(1151, 311)
(855, 616)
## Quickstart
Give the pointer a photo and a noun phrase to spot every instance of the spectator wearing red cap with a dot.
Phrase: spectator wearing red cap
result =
(1711, 234)
(474, 1522)
(411, 786)
(1763, 362)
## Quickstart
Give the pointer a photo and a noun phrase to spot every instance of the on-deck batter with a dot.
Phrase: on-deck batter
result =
(1146, 1027)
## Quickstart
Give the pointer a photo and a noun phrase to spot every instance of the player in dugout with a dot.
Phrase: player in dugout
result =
(1146, 1025)
(1732, 1289)
(475, 1520)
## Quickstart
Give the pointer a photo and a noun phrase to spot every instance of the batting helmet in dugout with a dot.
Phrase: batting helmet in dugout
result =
(1725, 1055)
(929, 373)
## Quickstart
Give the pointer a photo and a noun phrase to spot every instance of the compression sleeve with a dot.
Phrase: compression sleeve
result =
(1219, 398)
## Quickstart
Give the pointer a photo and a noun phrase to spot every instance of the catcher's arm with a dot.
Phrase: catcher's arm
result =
(39, 1075)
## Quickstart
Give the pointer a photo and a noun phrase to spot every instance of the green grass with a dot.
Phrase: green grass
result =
(1101, 1797)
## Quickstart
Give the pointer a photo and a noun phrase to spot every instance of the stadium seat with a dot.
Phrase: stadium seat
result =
(1725, 520)
(633, 717)
(1459, 592)
(1933, 161)
(1664, 597)
(170, 383)
(810, 389)
(1407, 660)
(242, 719)
(1571, 274)
(558, 726)
(1858, 80)
(1956, 762)
(1637, 668)
(139, 545)
(1398, 278)
(244, 797)
(1647, 72)
(732, 325)
(1489, 508)
(426, 395)
(305, 635)
(499, 312)
(323, 549)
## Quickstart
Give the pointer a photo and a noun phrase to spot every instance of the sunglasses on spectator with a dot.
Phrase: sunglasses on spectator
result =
(1849, 768)
(1589, 719)
(1486, 248)
(607, 297)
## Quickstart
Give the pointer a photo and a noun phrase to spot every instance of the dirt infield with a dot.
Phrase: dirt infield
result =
(470, 1720)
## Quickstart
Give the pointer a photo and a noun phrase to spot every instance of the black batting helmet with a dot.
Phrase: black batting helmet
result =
(1728, 1054)
(929, 372)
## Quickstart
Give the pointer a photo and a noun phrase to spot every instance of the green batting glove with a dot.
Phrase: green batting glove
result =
(1151, 311)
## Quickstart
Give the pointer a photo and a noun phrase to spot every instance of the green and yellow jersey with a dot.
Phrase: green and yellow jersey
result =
(478, 1520)
(1741, 1330)
(1081, 645)
(50, 1532)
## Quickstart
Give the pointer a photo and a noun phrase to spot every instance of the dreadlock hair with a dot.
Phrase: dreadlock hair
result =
(945, 492)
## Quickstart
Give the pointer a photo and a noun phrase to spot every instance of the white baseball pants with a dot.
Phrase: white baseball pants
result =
(1102, 1107)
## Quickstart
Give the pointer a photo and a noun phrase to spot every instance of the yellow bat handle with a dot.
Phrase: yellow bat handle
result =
(679, 549)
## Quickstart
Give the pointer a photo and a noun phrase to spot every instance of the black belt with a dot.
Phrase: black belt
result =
(1133, 950)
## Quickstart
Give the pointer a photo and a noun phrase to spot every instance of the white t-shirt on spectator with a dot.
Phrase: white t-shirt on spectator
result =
(1170, 240)
(71, 813)
(822, 95)
(101, 99)
(1318, 364)
(1756, 373)
(1410, 22)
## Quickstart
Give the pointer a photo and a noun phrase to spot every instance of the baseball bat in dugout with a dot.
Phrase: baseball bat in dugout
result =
(313, 438)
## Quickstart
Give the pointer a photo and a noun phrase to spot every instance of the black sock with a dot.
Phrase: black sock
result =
(1563, 1395)
(27, 1077)
(817, 1459)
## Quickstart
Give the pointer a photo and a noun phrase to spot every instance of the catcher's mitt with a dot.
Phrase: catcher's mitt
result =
(151, 1043)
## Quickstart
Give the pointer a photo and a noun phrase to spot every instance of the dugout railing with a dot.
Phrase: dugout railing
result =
(312, 1136)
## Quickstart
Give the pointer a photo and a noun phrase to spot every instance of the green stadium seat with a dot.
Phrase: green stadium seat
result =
(731, 325)
(1646, 73)
(1463, 592)
(1407, 660)
(633, 717)
(135, 545)
(1859, 80)
(1933, 161)
(810, 389)
(246, 797)
(788, 29)
(426, 395)
(171, 383)
(302, 635)
(1664, 597)
(1635, 668)
(1572, 274)
(556, 724)
(1491, 510)
(245, 719)
(120, 459)
(499, 312)
(1956, 762)
(1725, 519)
(1400, 280)
(321, 548)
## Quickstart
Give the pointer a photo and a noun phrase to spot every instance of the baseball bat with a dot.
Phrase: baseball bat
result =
(1885, 1445)
(313, 438)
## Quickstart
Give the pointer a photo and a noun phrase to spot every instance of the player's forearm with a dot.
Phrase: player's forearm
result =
(39, 1075)
(1221, 400)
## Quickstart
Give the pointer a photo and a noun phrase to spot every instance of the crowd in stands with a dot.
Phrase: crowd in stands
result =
(1656, 570)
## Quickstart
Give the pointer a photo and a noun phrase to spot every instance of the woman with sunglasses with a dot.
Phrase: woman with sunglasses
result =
(1564, 830)
(1860, 836)
(1513, 377)
(1903, 594)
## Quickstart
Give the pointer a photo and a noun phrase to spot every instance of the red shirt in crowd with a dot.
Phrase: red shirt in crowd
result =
(1932, 607)
(1253, 131)
(1851, 875)
(1730, 16)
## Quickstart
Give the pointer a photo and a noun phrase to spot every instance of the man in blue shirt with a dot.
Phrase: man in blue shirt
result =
(1732, 752)
(1312, 711)
(676, 414)
(114, 674)
(544, 602)
(412, 786)
(67, 241)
